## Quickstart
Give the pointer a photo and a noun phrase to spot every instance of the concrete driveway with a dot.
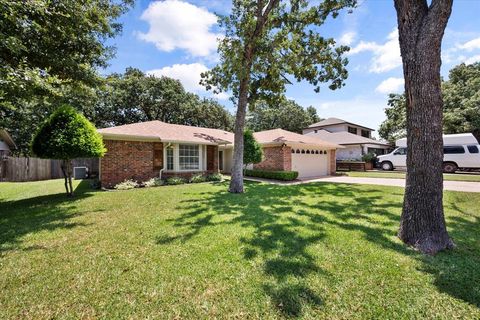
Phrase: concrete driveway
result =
(447, 185)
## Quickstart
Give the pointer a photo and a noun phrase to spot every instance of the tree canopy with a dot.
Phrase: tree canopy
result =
(253, 150)
(67, 135)
(461, 97)
(268, 45)
(461, 105)
(287, 115)
(134, 96)
(46, 44)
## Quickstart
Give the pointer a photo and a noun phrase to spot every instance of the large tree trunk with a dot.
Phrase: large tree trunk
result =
(67, 169)
(236, 182)
(421, 31)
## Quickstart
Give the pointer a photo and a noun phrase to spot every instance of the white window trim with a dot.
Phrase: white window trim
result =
(176, 157)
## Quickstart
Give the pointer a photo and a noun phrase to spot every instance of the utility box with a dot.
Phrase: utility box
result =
(80, 173)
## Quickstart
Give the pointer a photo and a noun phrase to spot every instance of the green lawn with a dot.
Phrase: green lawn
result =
(314, 251)
(401, 175)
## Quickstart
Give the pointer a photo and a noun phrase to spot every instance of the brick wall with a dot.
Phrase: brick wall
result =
(333, 162)
(129, 160)
(276, 158)
(141, 161)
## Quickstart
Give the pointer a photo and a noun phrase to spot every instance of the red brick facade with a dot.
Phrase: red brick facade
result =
(333, 162)
(128, 160)
(276, 159)
(141, 161)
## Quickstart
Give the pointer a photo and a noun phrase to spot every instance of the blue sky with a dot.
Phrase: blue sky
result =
(177, 38)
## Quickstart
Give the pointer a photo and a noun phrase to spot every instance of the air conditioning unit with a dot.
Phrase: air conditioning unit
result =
(80, 173)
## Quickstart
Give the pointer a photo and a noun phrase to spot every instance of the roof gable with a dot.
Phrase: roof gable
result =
(334, 121)
(5, 136)
(277, 136)
(344, 138)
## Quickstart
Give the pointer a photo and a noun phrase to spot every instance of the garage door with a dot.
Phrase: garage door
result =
(310, 163)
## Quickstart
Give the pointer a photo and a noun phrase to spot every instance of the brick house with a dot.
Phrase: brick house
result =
(145, 150)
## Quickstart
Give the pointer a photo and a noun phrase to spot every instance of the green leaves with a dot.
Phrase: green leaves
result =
(67, 135)
(289, 48)
(286, 115)
(47, 43)
(252, 150)
(461, 105)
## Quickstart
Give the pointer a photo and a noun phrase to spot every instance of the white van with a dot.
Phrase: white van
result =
(461, 151)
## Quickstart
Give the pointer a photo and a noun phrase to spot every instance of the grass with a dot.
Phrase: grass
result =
(401, 175)
(312, 251)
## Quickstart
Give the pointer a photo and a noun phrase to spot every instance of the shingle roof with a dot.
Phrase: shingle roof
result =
(344, 138)
(334, 121)
(180, 133)
(169, 133)
(284, 136)
(5, 136)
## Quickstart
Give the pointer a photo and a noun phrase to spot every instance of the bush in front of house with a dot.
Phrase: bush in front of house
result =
(127, 185)
(175, 181)
(277, 175)
(369, 157)
(154, 182)
(197, 178)
(215, 177)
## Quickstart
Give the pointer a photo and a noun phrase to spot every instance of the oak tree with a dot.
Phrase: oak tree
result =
(421, 28)
(267, 45)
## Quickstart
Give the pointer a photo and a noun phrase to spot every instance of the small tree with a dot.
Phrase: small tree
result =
(67, 135)
(252, 150)
(267, 45)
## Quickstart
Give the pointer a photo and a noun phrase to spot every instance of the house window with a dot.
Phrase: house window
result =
(170, 158)
(366, 133)
(352, 130)
(189, 157)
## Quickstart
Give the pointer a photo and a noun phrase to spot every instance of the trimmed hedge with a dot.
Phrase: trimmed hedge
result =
(277, 175)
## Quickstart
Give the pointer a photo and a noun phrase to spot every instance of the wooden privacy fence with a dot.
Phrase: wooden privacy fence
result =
(350, 166)
(35, 169)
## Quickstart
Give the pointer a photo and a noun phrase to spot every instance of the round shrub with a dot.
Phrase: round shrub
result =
(127, 185)
(215, 177)
(175, 181)
(154, 182)
(197, 178)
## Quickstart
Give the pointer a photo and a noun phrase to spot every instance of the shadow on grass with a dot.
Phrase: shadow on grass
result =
(288, 220)
(31, 215)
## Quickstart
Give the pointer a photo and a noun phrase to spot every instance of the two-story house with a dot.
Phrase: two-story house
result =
(356, 138)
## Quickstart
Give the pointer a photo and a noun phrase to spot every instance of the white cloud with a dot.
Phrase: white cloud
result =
(176, 24)
(472, 59)
(470, 45)
(386, 56)
(188, 75)
(390, 85)
(347, 38)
